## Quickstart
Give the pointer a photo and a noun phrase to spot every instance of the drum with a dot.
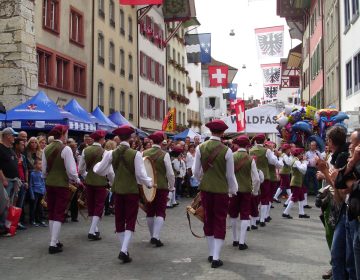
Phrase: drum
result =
(197, 210)
(147, 194)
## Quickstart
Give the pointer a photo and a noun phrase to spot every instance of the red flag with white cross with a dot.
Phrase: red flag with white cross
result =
(218, 76)
(141, 2)
(240, 115)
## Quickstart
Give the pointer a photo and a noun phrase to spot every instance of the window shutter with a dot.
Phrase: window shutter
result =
(148, 68)
(142, 104)
(141, 64)
(163, 76)
(163, 111)
(149, 106)
(157, 66)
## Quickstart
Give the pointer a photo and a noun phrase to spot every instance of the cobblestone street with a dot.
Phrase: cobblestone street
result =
(284, 249)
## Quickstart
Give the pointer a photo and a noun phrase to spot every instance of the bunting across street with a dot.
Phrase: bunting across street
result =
(270, 42)
(271, 73)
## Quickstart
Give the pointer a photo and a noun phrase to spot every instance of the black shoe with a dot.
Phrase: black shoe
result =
(33, 223)
(248, 229)
(94, 237)
(235, 243)
(286, 216)
(97, 233)
(175, 204)
(272, 207)
(21, 226)
(257, 222)
(254, 227)
(75, 220)
(243, 246)
(268, 219)
(285, 205)
(60, 245)
(124, 257)
(210, 259)
(307, 206)
(107, 213)
(262, 224)
(304, 216)
(216, 264)
(158, 243)
(169, 207)
(54, 250)
(43, 224)
(153, 240)
(276, 200)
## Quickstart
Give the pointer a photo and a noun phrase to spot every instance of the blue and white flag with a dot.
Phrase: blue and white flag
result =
(198, 48)
(232, 91)
(205, 47)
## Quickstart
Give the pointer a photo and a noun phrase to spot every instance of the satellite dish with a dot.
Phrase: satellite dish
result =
(232, 33)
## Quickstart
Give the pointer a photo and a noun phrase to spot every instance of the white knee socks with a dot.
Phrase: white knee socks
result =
(289, 206)
(158, 223)
(94, 223)
(55, 232)
(263, 212)
(301, 207)
(288, 191)
(278, 192)
(210, 242)
(305, 199)
(150, 223)
(243, 229)
(126, 242)
(234, 228)
(217, 248)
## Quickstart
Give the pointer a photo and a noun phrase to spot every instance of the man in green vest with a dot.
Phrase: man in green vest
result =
(248, 180)
(298, 170)
(125, 170)
(285, 172)
(59, 168)
(264, 157)
(214, 168)
(96, 191)
(156, 210)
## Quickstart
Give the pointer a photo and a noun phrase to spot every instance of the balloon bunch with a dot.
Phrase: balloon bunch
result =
(301, 125)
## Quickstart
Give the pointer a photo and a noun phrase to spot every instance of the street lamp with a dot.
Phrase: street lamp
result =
(232, 32)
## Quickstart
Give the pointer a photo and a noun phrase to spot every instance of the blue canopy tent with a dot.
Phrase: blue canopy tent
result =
(119, 119)
(186, 133)
(79, 112)
(103, 121)
(2, 119)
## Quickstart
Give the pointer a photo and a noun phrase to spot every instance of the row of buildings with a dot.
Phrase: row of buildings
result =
(119, 58)
(329, 55)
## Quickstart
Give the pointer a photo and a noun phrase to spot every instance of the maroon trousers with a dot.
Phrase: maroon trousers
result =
(216, 206)
(57, 201)
(297, 194)
(241, 203)
(255, 201)
(273, 188)
(265, 192)
(126, 210)
(284, 181)
(96, 196)
(158, 206)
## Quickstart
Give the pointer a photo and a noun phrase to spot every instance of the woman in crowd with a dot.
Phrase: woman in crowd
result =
(42, 142)
(33, 152)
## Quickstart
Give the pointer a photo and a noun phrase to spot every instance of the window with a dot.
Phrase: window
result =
(168, 57)
(112, 56)
(357, 72)
(153, 107)
(101, 8)
(122, 62)
(131, 105)
(101, 48)
(174, 84)
(111, 100)
(174, 54)
(355, 8)
(152, 75)
(184, 119)
(294, 81)
(169, 82)
(51, 15)
(161, 75)
(143, 105)
(79, 79)
(348, 78)
(122, 103)
(44, 67)
(130, 23)
(182, 61)
(143, 64)
(62, 73)
(347, 14)
(101, 96)
(183, 89)
(179, 87)
(131, 76)
(76, 27)
(122, 22)
(112, 13)
(179, 120)
(178, 58)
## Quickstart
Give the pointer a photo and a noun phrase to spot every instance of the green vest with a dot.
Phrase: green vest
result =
(285, 170)
(93, 155)
(243, 176)
(296, 176)
(261, 161)
(57, 176)
(162, 181)
(124, 168)
(272, 173)
(214, 179)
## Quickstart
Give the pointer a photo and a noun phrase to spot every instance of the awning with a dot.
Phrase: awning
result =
(103, 121)
(119, 120)
(186, 133)
(295, 57)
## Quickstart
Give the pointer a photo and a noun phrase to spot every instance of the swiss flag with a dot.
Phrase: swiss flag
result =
(218, 76)
(141, 2)
(240, 115)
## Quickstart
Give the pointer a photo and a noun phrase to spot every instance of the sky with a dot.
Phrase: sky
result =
(219, 17)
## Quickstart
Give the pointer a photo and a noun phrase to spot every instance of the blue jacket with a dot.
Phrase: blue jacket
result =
(37, 182)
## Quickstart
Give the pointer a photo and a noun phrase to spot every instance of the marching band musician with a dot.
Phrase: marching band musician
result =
(95, 185)
(125, 170)
(248, 180)
(59, 168)
(264, 157)
(214, 168)
(284, 172)
(156, 210)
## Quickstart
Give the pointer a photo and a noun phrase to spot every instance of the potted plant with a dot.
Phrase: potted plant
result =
(190, 89)
(199, 93)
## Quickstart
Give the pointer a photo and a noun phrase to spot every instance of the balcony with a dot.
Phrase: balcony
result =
(101, 60)
(112, 22)
(101, 13)
(131, 77)
(122, 31)
(130, 38)
(122, 72)
(112, 66)
(131, 116)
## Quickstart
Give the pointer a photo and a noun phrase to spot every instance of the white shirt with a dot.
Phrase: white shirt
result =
(69, 162)
(82, 163)
(169, 170)
(189, 160)
(301, 166)
(277, 161)
(179, 166)
(104, 167)
(254, 175)
(230, 174)
(311, 155)
(287, 159)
